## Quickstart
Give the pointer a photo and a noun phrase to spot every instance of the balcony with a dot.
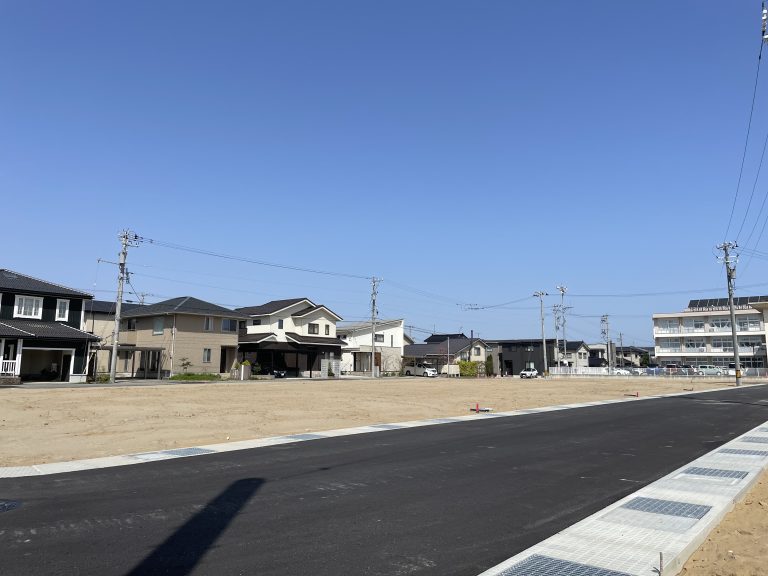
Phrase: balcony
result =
(658, 330)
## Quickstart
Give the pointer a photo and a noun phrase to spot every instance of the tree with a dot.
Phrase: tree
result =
(185, 363)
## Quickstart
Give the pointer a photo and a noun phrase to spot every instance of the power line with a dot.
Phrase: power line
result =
(746, 139)
(205, 252)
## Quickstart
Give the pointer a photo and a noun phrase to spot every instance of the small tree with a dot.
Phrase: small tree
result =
(185, 364)
(489, 366)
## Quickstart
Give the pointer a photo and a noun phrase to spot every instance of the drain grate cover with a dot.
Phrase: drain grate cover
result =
(305, 436)
(715, 472)
(668, 507)
(386, 426)
(744, 452)
(537, 565)
(8, 505)
(755, 439)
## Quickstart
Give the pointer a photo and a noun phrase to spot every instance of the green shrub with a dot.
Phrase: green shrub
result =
(102, 378)
(467, 368)
(192, 376)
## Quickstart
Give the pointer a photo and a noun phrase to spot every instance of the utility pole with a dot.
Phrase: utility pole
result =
(374, 293)
(556, 315)
(621, 347)
(540, 295)
(730, 274)
(563, 289)
(126, 239)
(605, 331)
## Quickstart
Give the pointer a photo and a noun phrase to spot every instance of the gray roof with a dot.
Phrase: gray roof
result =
(301, 339)
(442, 337)
(255, 338)
(182, 305)
(454, 346)
(13, 281)
(571, 344)
(38, 329)
(272, 307)
(106, 307)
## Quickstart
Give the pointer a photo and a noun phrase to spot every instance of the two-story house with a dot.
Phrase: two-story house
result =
(513, 356)
(183, 334)
(294, 335)
(389, 341)
(443, 351)
(40, 336)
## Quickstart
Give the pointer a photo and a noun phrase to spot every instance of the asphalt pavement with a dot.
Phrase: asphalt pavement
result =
(450, 499)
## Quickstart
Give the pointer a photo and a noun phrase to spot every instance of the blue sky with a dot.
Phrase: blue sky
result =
(468, 153)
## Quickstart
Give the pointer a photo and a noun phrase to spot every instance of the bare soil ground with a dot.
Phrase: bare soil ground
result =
(52, 425)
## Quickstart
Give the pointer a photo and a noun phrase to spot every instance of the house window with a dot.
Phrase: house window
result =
(228, 325)
(158, 325)
(476, 351)
(327, 330)
(242, 324)
(255, 322)
(130, 324)
(28, 307)
(379, 338)
(314, 328)
(280, 324)
(208, 324)
(206, 355)
(62, 310)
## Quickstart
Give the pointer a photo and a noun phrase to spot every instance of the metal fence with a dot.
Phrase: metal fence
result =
(663, 372)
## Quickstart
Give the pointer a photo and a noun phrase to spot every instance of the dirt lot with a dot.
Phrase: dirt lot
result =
(38, 426)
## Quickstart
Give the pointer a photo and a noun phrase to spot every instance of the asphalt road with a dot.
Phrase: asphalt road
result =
(452, 499)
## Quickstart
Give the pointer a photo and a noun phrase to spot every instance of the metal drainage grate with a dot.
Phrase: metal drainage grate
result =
(744, 452)
(305, 436)
(715, 472)
(537, 565)
(187, 451)
(386, 426)
(8, 505)
(444, 420)
(668, 507)
(754, 439)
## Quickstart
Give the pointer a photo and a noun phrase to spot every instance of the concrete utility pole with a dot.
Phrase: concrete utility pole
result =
(556, 316)
(605, 331)
(730, 274)
(563, 289)
(374, 293)
(621, 347)
(540, 295)
(126, 239)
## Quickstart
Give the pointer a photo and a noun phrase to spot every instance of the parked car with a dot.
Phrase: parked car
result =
(707, 370)
(529, 373)
(686, 369)
(420, 369)
(653, 370)
(621, 372)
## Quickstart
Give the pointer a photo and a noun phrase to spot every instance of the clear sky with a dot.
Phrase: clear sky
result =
(467, 153)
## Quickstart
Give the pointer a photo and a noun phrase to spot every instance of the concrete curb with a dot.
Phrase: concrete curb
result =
(673, 516)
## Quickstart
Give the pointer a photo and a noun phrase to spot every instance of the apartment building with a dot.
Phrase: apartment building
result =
(701, 334)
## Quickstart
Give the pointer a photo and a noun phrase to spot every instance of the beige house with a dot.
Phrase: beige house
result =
(182, 334)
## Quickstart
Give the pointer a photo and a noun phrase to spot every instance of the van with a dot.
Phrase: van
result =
(709, 370)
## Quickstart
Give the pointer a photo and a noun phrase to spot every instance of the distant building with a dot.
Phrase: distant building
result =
(512, 356)
(356, 353)
(701, 334)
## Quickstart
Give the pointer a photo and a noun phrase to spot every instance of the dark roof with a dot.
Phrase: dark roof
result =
(254, 338)
(442, 337)
(454, 345)
(182, 305)
(300, 339)
(37, 329)
(722, 302)
(106, 307)
(13, 281)
(272, 307)
(311, 309)
(571, 344)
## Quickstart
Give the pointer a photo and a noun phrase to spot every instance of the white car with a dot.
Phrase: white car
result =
(707, 370)
(420, 369)
(621, 372)
(529, 373)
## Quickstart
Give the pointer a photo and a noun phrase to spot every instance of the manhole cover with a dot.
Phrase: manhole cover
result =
(8, 505)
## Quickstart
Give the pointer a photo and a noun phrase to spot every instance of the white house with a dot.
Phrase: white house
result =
(356, 353)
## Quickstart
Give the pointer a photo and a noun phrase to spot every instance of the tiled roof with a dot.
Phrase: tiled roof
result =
(13, 281)
(300, 339)
(182, 305)
(272, 307)
(106, 307)
(442, 337)
(37, 329)
(254, 338)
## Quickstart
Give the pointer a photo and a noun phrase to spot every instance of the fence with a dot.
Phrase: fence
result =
(7, 367)
(662, 372)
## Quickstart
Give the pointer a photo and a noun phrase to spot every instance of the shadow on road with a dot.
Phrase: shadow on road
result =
(183, 549)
